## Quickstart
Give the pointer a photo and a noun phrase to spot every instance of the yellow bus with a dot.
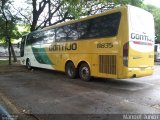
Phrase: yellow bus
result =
(118, 43)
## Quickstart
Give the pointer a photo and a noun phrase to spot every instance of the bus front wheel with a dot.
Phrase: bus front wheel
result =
(84, 72)
(71, 70)
(28, 64)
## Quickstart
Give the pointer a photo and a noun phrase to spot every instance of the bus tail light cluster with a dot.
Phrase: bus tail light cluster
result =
(125, 54)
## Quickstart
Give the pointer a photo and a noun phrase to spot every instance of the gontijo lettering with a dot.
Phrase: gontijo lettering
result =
(140, 37)
(64, 47)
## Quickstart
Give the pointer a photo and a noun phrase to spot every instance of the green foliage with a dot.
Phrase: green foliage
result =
(78, 8)
(137, 3)
(3, 62)
(62, 10)
(8, 22)
(73, 7)
(12, 30)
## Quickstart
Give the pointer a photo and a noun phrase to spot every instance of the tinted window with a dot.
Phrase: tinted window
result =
(71, 32)
(83, 29)
(41, 37)
(103, 26)
(68, 32)
(35, 38)
(60, 34)
(49, 36)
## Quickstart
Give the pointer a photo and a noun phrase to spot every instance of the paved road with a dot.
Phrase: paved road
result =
(47, 92)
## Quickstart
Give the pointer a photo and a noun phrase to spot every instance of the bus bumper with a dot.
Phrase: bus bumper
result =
(138, 72)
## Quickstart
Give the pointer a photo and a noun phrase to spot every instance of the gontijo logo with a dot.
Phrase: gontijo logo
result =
(141, 39)
(141, 42)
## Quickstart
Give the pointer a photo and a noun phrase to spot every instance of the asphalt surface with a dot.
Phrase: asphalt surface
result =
(42, 92)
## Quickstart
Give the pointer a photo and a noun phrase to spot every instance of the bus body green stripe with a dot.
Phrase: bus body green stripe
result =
(41, 56)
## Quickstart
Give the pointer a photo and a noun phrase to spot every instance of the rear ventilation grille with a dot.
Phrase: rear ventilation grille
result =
(107, 64)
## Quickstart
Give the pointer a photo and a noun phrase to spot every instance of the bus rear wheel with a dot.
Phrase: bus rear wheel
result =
(28, 64)
(70, 70)
(84, 72)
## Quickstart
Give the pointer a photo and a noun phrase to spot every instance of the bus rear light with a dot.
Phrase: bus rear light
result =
(125, 54)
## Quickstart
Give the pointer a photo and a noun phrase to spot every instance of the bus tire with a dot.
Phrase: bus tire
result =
(84, 72)
(70, 70)
(28, 64)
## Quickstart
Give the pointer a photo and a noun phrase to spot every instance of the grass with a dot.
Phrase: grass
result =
(3, 62)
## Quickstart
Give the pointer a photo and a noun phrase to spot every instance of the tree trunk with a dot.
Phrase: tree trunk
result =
(49, 11)
(13, 54)
(9, 50)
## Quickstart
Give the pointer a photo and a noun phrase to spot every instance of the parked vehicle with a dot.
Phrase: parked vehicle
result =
(118, 43)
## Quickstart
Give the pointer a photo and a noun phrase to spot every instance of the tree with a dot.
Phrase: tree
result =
(137, 3)
(8, 28)
(55, 8)
(51, 12)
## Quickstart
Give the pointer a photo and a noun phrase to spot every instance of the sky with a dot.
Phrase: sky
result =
(153, 2)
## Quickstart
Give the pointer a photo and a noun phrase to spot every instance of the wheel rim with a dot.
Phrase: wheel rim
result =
(85, 72)
(70, 71)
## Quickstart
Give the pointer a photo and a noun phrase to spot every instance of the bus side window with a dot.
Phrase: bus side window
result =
(71, 33)
(66, 33)
(37, 38)
(82, 29)
(103, 26)
(60, 35)
(49, 36)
